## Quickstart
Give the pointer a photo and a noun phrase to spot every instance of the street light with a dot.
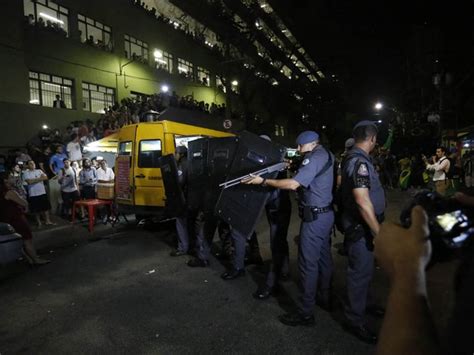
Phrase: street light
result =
(164, 88)
(378, 106)
(235, 82)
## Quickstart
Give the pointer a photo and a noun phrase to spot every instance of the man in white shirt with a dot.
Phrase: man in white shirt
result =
(37, 198)
(104, 173)
(440, 167)
(69, 186)
(74, 149)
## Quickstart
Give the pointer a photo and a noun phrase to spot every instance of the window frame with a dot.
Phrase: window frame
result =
(141, 44)
(189, 66)
(41, 90)
(58, 9)
(103, 28)
(139, 160)
(90, 98)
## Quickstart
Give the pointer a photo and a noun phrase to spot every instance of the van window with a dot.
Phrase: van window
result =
(125, 148)
(184, 140)
(149, 153)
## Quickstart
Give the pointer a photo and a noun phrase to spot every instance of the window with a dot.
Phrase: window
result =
(47, 12)
(185, 68)
(97, 98)
(163, 60)
(45, 87)
(134, 48)
(125, 148)
(95, 33)
(149, 153)
(203, 76)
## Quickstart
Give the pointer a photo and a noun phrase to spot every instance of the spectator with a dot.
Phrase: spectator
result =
(12, 211)
(43, 160)
(69, 186)
(16, 181)
(21, 156)
(87, 180)
(37, 198)
(74, 149)
(59, 103)
(56, 161)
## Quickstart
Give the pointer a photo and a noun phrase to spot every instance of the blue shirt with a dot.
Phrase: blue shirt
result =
(88, 177)
(56, 161)
(359, 172)
(315, 191)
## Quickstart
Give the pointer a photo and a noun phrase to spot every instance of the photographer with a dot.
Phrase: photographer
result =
(408, 326)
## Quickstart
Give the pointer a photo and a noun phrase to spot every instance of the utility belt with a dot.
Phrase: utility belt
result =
(310, 213)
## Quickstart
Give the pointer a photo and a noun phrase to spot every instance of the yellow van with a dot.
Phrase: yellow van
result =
(138, 183)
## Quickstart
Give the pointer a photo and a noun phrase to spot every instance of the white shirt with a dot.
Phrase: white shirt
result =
(74, 151)
(36, 189)
(440, 168)
(68, 180)
(105, 175)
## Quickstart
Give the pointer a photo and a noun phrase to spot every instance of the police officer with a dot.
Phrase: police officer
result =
(182, 222)
(363, 202)
(313, 181)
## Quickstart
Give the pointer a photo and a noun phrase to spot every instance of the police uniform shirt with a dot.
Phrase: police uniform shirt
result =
(315, 192)
(359, 172)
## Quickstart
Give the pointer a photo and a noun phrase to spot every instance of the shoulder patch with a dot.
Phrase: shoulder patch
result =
(305, 162)
(363, 170)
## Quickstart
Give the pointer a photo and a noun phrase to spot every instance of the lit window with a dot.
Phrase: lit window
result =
(97, 98)
(220, 83)
(203, 76)
(134, 48)
(44, 89)
(163, 60)
(95, 33)
(277, 130)
(185, 68)
(48, 13)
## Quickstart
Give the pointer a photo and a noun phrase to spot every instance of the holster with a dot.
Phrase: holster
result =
(307, 213)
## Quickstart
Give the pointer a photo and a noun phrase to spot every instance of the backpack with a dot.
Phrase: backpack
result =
(451, 172)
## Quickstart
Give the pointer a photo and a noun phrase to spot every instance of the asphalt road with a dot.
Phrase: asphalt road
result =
(121, 292)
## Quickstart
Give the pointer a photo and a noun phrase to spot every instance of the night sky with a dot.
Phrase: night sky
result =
(365, 42)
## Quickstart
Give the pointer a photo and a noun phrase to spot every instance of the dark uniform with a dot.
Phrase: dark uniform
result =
(182, 226)
(359, 172)
(315, 175)
(278, 211)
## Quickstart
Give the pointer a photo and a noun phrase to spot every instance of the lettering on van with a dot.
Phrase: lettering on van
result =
(154, 178)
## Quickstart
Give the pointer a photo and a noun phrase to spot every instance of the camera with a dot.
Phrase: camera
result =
(451, 224)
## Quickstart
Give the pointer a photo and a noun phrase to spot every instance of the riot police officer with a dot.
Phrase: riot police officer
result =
(314, 182)
(363, 203)
(182, 222)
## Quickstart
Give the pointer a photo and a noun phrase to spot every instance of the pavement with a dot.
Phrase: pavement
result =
(119, 291)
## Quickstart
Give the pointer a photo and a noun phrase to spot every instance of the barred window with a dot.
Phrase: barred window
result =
(185, 68)
(48, 13)
(97, 98)
(203, 76)
(44, 89)
(135, 48)
(95, 33)
(163, 60)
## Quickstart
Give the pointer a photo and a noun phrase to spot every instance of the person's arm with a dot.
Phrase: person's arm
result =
(13, 196)
(366, 208)
(284, 184)
(408, 327)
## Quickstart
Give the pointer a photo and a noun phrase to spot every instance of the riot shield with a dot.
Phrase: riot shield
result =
(241, 205)
(175, 204)
(209, 161)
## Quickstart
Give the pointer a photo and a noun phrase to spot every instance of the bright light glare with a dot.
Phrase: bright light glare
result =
(235, 82)
(158, 54)
(378, 106)
(466, 145)
(164, 88)
(379, 121)
(51, 18)
(44, 126)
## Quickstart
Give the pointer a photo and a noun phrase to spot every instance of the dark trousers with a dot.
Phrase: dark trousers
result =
(205, 226)
(315, 259)
(359, 275)
(279, 221)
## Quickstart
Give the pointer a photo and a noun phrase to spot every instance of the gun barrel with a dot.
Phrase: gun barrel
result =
(269, 169)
